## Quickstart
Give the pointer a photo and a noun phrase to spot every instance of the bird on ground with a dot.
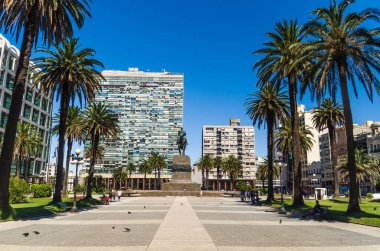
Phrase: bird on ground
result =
(181, 204)
(25, 234)
(280, 221)
(221, 202)
(144, 206)
(36, 232)
(129, 212)
(127, 229)
(113, 227)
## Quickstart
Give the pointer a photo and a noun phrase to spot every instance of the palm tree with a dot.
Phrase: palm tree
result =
(72, 133)
(28, 142)
(233, 167)
(69, 72)
(98, 122)
(99, 155)
(130, 168)
(157, 162)
(218, 162)
(262, 172)
(205, 164)
(347, 51)
(119, 176)
(328, 115)
(367, 167)
(145, 168)
(285, 61)
(54, 19)
(268, 104)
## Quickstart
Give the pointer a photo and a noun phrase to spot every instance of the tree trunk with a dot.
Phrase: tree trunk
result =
(207, 171)
(95, 143)
(27, 163)
(159, 178)
(203, 177)
(296, 149)
(270, 123)
(64, 108)
(155, 178)
(19, 163)
(144, 181)
(334, 166)
(68, 155)
(353, 204)
(30, 32)
(217, 178)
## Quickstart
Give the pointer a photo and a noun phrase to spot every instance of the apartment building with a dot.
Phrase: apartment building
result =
(232, 139)
(36, 108)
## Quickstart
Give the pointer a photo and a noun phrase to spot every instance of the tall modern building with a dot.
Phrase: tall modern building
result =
(232, 139)
(36, 108)
(149, 107)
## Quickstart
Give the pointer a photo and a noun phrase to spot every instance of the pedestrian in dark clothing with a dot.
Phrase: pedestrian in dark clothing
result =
(113, 194)
(253, 197)
(242, 193)
(110, 195)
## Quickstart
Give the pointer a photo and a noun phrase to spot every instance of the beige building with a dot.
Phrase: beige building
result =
(232, 139)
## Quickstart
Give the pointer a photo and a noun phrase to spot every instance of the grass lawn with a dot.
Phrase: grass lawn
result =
(42, 207)
(338, 208)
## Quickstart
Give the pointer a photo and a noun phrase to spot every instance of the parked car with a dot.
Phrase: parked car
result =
(342, 196)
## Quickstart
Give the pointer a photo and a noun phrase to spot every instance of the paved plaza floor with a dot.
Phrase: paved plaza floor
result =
(184, 223)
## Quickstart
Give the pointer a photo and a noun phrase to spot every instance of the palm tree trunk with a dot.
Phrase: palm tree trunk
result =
(68, 154)
(270, 132)
(27, 163)
(334, 166)
(203, 177)
(19, 163)
(218, 178)
(64, 108)
(296, 149)
(95, 143)
(30, 32)
(353, 204)
(155, 178)
(144, 181)
(159, 178)
(207, 179)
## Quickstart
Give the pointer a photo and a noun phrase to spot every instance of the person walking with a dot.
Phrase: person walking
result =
(201, 194)
(118, 194)
(242, 193)
(113, 195)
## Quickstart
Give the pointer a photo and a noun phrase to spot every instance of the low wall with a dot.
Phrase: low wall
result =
(160, 193)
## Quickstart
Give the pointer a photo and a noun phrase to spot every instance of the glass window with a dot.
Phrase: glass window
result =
(37, 167)
(37, 100)
(7, 100)
(27, 111)
(42, 133)
(5, 57)
(35, 116)
(42, 120)
(11, 62)
(2, 73)
(29, 94)
(10, 82)
(44, 104)
(3, 120)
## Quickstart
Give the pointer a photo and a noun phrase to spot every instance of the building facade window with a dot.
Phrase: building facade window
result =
(27, 111)
(44, 104)
(29, 94)
(7, 100)
(42, 119)
(35, 116)
(10, 82)
(3, 120)
(37, 100)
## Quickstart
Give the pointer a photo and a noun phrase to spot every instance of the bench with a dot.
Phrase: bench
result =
(131, 194)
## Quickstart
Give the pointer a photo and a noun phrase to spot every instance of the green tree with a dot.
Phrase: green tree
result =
(157, 162)
(284, 138)
(367, 167)
(205, 164)
(69, 72)
(347, 51)
(328, 115)
(130, 169)
(377, 185)
(262, 172)
(72, 133)
(285, 61)
(267, 105)
(119, 176)
(28, 143)
(145, 168)
(218, 162)
(98, 122)
(233, 167)
(53, 20)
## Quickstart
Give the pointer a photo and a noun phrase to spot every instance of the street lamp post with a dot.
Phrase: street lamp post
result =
(280, 164)
(76, 159)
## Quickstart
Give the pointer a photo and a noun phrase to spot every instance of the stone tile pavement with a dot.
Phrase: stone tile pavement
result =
(184, 223)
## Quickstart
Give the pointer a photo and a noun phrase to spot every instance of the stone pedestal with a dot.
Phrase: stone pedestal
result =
(181, 176)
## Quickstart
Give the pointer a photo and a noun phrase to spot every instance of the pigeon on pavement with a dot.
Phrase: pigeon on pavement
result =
(25, 234)
(280, 221)
(127, 229)
(36, 232)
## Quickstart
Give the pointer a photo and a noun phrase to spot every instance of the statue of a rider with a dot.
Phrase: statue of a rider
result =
(181, 141)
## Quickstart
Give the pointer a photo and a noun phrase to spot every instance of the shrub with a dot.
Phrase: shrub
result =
(41, 190)
(18, 189)
(369, 195)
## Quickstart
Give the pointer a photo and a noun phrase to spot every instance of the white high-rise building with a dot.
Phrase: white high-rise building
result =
(232, 139)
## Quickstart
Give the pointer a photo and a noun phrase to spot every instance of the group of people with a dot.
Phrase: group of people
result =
(111, 196)
(250, 195)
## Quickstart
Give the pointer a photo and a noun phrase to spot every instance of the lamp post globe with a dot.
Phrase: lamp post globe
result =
(77, 152)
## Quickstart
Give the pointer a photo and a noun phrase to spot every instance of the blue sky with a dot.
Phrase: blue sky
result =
(210, 41)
